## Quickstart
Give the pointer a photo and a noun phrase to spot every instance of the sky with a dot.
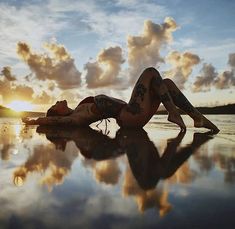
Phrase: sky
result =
(55, 50)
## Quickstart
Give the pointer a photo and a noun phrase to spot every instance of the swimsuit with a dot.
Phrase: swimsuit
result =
(108, 107)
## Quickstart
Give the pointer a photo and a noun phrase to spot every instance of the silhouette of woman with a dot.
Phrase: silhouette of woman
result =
(149, 91)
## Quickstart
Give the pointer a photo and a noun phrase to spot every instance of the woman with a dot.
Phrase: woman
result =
(150, 90)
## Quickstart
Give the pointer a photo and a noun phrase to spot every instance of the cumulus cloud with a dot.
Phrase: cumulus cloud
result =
(146, 199)
(47, 164)
(206, 79)
(70, 96)
(43, 98)
(144, 50)
(231, 60)
(6, 72)
(107, 172)
(227, 78)
(58, 67)
(9, 91)
(105, 70)
(210, 78)
(183, 64)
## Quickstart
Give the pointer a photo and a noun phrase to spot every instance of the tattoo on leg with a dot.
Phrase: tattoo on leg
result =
(165, 97)
(156, 81)
(140, 90)
(138, 95)
(134, 108)
(182, 102)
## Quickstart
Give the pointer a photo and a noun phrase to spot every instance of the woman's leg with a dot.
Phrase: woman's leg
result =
(146, 97)
(182, 102)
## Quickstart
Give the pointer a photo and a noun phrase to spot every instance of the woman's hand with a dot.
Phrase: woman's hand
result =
(28, 121)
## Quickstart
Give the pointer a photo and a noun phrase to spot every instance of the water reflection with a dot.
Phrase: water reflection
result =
(146, 166)
(120, 174)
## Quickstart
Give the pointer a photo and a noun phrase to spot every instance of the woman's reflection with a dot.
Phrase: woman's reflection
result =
(147, 166)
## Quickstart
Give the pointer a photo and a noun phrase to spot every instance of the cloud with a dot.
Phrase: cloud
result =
(47, 164)
(105, 71)
(231, 60)
(59, 67)
(107, 172)
(10, 92)
(29, 22)
(183, 64)
(210, 78)
(146, 199)
(71, 96)
(144, 50)
(43, 98)
(225, 80)
(6, 71)
(106, 22)
(206, 79)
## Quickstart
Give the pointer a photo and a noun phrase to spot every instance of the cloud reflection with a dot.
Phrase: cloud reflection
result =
(148, 167)
(100, 153)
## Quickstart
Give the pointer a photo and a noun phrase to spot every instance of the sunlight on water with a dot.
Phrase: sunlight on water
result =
(131, 179)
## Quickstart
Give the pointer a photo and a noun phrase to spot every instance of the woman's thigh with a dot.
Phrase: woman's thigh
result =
(143, 102)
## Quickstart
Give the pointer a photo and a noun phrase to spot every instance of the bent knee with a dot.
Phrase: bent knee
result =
(169, 82)
(151, 71)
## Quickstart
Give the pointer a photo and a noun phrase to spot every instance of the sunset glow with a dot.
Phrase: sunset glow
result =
(20, 106)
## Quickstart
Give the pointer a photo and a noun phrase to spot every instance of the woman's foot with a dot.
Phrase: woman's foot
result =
(176, 118)
(204, 122)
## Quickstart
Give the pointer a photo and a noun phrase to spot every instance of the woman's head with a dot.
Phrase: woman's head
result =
(59, 109)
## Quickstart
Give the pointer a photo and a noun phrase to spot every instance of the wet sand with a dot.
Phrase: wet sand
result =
(110, 177)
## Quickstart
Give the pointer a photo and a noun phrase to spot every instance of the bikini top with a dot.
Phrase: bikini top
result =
(108, 106)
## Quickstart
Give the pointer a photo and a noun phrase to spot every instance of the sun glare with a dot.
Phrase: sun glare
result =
(20, 106)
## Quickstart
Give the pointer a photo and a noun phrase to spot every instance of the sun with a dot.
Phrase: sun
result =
(18, 105)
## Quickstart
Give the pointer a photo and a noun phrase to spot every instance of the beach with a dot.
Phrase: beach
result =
(108, 177)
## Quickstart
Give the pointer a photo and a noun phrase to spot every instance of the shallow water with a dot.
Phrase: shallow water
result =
(109, 178)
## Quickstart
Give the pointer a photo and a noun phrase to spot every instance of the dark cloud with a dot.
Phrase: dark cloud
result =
(210, 78)
(6, 72)
(206, 79)
(231, 60)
